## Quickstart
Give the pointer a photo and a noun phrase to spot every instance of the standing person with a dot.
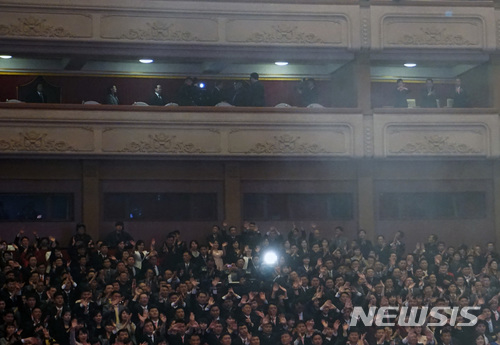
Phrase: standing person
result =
(400, 95)
(112, 97)
(240, 96)
(186, 95)
(157, 98)
(218, 94)
(428, 98)
(119, 235)
(308, 92)
(460, 97)
(256, 92)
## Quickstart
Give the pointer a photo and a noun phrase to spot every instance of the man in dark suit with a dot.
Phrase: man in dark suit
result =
(218, 93)
(38, 96)
(256, 92)
(157, 98)
(147, 334)
(186, 269)
(177, 333)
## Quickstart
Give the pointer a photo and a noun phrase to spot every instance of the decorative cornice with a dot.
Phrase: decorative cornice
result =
(159, 31)
(33, 27)
(436, 144)
(35, 141)
(284, 34)
(432, 36)
(286, 144)
(161, 143)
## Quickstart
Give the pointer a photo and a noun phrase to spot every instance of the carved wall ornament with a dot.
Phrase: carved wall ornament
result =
(365, 32)
(437, 144)
(368, 139)
(35, 141)
(432, 36)
(35, 27)
(159, 31)
(161, 143)
(284, 34)
(286, 144)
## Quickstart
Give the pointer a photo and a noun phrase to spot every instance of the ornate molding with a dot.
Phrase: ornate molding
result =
(161, 143)
(437, 144)
(432, 36)
(34, 27)
(286, 144)
(284, 34)
(365, 32)
(368, 139)
(35, 141)
(159, 31)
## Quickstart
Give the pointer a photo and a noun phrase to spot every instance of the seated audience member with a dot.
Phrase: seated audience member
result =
(38, 95)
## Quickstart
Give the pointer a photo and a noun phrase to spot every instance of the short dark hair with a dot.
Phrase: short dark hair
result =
(254, 75)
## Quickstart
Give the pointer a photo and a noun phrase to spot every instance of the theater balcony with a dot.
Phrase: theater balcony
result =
(356, 160)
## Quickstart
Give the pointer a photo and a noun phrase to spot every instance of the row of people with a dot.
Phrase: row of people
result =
(428, 97)
(218, 290)
(193, 93)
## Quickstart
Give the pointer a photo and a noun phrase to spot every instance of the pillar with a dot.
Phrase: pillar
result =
(91, 198)
(232, 194)
(362, 75)
(366, 199)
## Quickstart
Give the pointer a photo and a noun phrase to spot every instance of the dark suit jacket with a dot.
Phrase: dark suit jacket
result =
(155, 100)
(35, 97)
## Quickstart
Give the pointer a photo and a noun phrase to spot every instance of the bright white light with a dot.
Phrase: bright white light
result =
(410, 64)
(146, 60)
(281, 63)
(202, 85)
(5, 56)
(270, 258)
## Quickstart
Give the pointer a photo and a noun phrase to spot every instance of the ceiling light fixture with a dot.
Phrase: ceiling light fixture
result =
(5, 56)
(410, 64)
(281, 63)
(146, 60)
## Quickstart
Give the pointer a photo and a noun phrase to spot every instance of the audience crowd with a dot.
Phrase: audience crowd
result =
(218, 289)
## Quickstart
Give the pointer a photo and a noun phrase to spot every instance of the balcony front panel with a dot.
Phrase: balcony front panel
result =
(446, 133)
(184, 23)
(428, 27)
(199, 132)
